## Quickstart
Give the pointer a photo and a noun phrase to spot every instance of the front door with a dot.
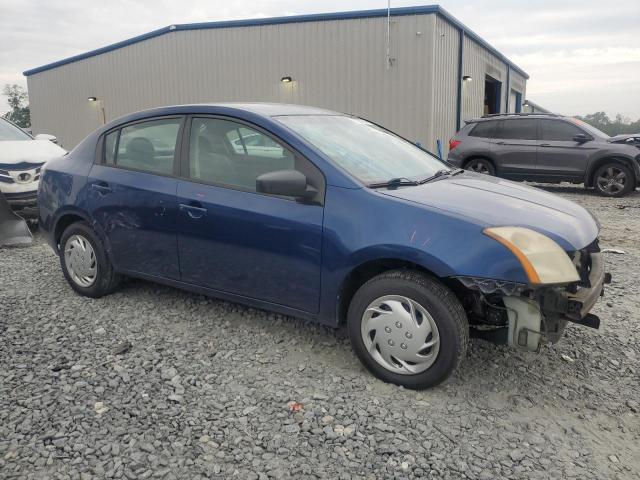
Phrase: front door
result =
(560, 157)
(132, 195)
(235, 240)
(514, 148)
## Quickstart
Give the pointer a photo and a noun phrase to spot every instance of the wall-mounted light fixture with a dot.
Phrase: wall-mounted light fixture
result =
(526, 103)
(100, 107)
(286, 79)
(467, 78)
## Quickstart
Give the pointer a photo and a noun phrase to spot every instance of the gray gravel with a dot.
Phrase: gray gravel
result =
(153, 382)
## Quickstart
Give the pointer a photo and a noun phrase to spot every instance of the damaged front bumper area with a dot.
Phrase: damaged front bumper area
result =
(524, 316)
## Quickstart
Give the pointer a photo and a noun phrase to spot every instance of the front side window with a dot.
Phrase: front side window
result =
(366, 151)
(146, 146)
(518, 129)
(9, 132)
(230, 153)
(590, 128)
(558, 131)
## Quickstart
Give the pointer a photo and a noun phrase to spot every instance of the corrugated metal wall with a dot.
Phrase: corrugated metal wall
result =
(339, 65)
(336, 64)
(478, 62)
(446, 41)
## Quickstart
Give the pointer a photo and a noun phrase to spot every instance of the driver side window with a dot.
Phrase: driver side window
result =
(229, 153)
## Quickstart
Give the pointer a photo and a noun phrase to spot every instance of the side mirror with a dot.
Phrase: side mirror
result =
(581, 138)
(46, 136)
(289, 183)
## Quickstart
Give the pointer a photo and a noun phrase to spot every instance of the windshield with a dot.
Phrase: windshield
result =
(9, 132)
(590, 128)
(366, 151)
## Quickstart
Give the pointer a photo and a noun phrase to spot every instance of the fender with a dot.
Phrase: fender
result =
(77, 212)
(631, 162)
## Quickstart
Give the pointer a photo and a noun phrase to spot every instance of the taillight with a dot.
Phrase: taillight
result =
(453, 144)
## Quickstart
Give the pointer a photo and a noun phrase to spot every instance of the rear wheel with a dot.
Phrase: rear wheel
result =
(480, 165)
(85, 263)
(613, 180)
(408, 329)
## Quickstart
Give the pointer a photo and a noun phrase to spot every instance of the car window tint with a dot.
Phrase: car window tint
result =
(110, 142)
(558, 131)
(149, 146)
(483, 129)
(229, 153)
(518, 129)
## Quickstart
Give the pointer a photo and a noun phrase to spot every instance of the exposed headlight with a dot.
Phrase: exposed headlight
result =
(541, 258)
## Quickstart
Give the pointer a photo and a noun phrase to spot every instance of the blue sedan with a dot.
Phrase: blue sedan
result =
(328, 217)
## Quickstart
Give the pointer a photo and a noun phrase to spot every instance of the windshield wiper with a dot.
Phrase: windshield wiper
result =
(438, 174)
(394, 182)
(441, 173)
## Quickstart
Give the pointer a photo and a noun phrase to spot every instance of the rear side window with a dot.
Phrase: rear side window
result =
(145, 146)
(558, 131)
(518, 129)
(483, 129)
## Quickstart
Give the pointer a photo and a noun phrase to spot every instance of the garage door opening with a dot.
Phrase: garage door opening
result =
(515, 102)
(492, 90)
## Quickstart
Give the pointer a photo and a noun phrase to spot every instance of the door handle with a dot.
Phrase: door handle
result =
(501, 143)
(545, 144)
(102, 188)
(192, 210)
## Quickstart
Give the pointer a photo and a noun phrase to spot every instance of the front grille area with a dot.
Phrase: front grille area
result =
(18, 167)
(21, 195)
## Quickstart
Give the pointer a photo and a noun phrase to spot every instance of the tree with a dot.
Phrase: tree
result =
(620, 125)
(18, 100)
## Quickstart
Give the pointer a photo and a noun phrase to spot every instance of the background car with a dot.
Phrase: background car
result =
(349, 223)
(547, 148)
(21, 158)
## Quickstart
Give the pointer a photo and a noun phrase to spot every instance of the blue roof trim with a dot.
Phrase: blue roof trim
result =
(316, 17)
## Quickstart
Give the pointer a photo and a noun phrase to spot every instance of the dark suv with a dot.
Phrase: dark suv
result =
(548, 148)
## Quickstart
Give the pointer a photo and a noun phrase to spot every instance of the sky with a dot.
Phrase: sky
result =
(582, 56)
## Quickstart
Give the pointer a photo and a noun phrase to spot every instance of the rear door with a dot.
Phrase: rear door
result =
(514, 148)
(132, 195)
(559, 156)
(235, 240)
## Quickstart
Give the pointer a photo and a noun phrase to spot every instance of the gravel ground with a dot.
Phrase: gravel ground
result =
(204, 390)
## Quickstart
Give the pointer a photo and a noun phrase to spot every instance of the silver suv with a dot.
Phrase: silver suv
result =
(548, 148)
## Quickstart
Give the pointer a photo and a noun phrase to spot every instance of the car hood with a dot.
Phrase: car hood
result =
(17, 153)
(631, 138)
(490, 201)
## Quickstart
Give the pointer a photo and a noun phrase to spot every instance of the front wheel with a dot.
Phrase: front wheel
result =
(85, 263)
(408, 329)
(613, 180)
(481, 165)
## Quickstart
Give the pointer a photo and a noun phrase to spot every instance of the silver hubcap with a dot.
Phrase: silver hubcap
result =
(479, 167)
(612, 180)
(400, 334)
(80, 260)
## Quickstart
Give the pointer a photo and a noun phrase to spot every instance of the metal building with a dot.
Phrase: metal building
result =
(415, 70)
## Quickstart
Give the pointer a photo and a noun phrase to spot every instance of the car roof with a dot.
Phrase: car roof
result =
(502, 116)
(258, 108)
(241, 109)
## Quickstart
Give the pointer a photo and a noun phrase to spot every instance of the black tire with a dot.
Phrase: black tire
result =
(481, 165)
(107, 280)
(440, 303)
(618, 173)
